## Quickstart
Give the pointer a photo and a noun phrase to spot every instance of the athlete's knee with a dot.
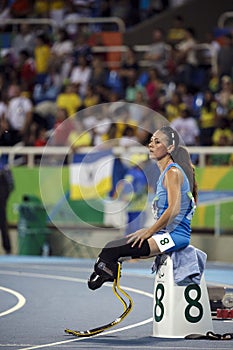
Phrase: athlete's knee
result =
(113, 249)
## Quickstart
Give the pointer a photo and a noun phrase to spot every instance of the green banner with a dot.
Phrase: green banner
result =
(51, 184)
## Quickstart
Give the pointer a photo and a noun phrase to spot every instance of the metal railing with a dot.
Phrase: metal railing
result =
(82, 20)
(139, 49)
(222, 20)
(32, 152)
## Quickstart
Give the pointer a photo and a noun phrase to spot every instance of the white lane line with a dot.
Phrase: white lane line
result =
(93, 336)
(72, 279)
(20, 303)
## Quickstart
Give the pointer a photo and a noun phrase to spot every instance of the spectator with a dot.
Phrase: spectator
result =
(19, 114)
(3, 107)
(27, 71)
(213, 53)
(79, 137)
(114, 83)
(128, 138)
(129, 67)
(158, 53)
(153, 89)
(140, 99)
(61, 47)
(41, 137)
(186, 58)
(6, 132)
(83, 7)
(62, 127)
(123, 118)
(102, 129)
(46, 110)
(173, 107)
(91, 98)
(52, 85)
(6, 187)
(82, 48)
(187, 128)
(176, 32)
(69, 99)
(80, 75)
(21, 8)
(41, 8)
(42, 55)
(23, 40)
(225, 57)
(7, 70)
(121, 9)
(144, 10)
(98, 78)
(111, 136)
(32, 134)
(224, 97)
(57, 11)
(185, 95)
(207, 119)
(132, 89)
(69, 20)
(222, 132)
(6, 135)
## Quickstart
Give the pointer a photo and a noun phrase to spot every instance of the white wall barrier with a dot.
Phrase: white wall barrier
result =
(51, 151)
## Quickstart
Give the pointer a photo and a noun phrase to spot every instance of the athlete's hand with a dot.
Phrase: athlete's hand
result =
(138, 237)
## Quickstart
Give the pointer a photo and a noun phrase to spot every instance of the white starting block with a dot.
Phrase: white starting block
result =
(179, 310)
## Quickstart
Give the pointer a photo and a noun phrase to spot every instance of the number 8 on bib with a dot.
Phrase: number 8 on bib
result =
(164, 241)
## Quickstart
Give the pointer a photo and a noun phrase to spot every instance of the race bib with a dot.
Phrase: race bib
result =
(164, 241)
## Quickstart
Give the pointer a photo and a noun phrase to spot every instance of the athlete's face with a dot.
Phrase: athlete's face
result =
(158, 145)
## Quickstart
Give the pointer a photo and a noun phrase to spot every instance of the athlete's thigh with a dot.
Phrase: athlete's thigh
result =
(154, 249)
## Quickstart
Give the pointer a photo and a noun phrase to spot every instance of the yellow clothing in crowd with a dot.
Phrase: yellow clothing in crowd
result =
(44, 6)
(175, 35)
(121, 125)
(222, 133)
(208, 116)
(172, 112)
(42, 57)
(70, 101)
(91, 101)
(76, 140)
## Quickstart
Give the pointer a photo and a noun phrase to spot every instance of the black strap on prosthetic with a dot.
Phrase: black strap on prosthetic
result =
(120, 248)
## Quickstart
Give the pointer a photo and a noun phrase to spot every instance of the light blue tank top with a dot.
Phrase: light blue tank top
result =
(182, 221)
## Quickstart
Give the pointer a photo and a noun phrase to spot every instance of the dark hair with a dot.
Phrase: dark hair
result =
(24, 53)
(191, 31)
(181, 156)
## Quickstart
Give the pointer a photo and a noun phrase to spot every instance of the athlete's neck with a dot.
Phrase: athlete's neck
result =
(164, 162)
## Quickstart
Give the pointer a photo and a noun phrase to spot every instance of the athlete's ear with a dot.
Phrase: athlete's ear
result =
(170, 148)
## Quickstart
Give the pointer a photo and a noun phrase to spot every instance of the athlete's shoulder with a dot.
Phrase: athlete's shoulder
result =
(174, 173)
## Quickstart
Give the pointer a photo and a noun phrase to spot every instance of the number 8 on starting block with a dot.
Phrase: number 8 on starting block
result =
(179, 310)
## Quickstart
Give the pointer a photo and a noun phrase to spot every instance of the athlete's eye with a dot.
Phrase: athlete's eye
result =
(154, 140)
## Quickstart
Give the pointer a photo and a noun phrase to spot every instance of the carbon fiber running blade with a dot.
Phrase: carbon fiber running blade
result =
(86, 333)
(100, 329)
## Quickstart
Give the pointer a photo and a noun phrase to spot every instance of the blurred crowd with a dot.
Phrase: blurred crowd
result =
(130, 11)
(46, 77)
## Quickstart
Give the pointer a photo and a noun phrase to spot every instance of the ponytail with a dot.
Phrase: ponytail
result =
(181, 156)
